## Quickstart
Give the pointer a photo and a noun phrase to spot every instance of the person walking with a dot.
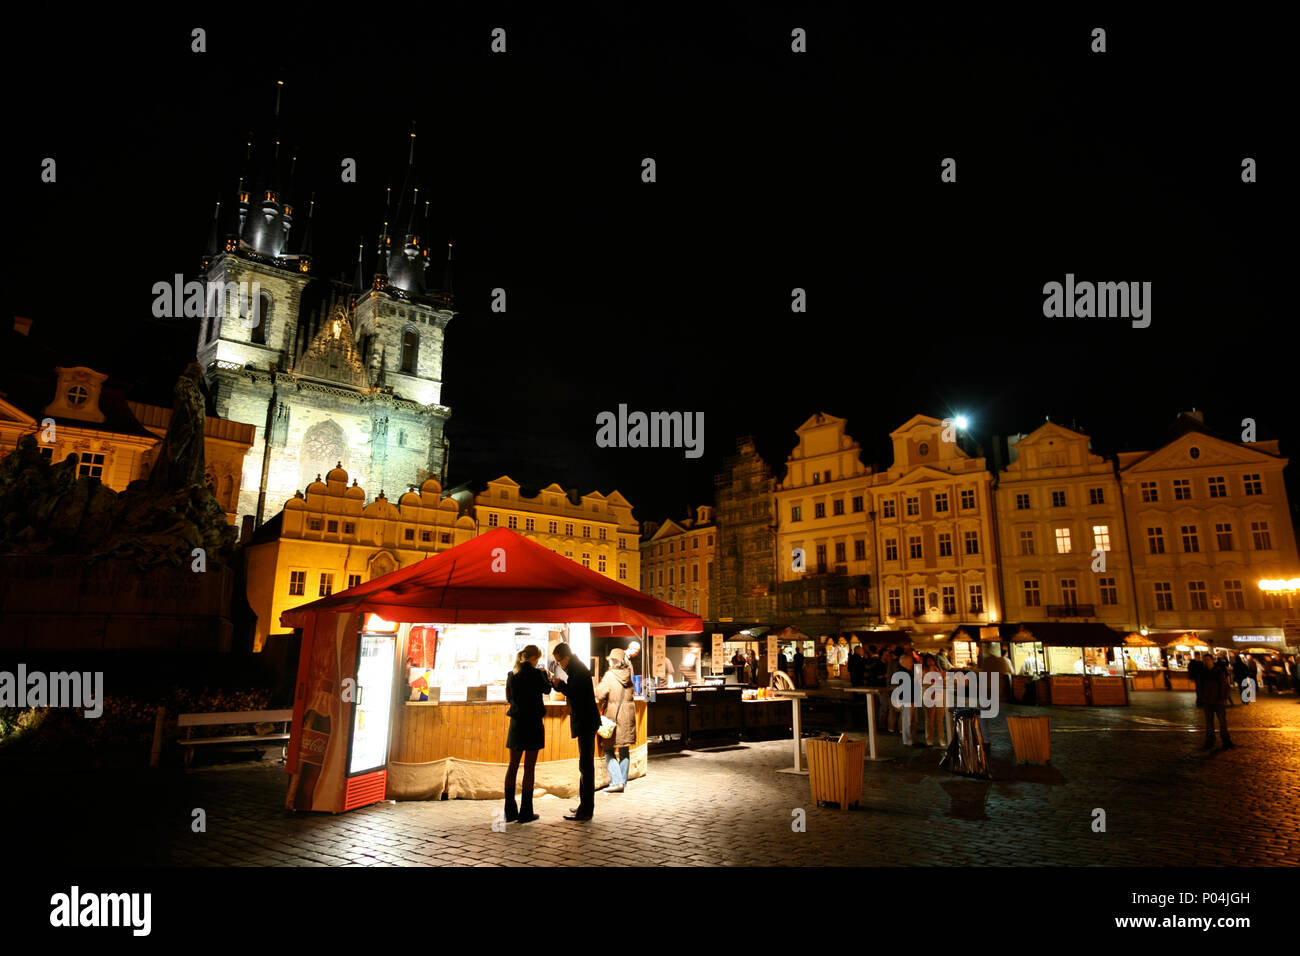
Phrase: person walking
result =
(616, 700)
(891, 656)
(798, 667)
(525, 687)
(584, 721)
(1194, 670)
(1214, 682)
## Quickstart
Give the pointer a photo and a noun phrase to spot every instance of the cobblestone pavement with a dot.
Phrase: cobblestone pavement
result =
(730, 806)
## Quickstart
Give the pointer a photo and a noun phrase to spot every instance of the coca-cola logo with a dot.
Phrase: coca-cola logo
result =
(313, 743)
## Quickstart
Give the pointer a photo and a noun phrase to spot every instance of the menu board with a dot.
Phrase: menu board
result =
(771, 655)
(719, 654)
(660, 655)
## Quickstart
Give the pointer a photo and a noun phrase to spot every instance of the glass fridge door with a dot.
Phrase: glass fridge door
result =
(372, 710)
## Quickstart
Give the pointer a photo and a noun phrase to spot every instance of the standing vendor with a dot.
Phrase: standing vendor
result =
(690, 665)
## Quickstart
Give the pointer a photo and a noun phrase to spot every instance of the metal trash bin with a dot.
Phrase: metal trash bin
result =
(968, 753)
(1031, 738)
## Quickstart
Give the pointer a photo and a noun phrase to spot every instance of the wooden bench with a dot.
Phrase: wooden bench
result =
(276, 740)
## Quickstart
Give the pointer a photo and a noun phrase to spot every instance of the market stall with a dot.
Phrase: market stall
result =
(1066, 663)
(401, 679)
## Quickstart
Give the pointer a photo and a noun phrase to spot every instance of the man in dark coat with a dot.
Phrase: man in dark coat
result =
(584, 721)
(798, 667)
(1214, 682)
(1194, 671)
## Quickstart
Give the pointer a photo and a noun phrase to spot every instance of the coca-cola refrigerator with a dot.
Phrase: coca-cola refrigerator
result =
(338, 745)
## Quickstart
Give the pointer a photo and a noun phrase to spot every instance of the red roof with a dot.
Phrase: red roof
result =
(502, 577)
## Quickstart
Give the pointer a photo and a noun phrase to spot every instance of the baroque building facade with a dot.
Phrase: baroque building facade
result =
(677, 558)
(595, 530)
(329, 539)
(825, 553)
(1064, 547)
(1209, 519)
(936, 551)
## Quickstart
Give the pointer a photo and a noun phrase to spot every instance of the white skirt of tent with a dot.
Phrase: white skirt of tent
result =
(471, 780)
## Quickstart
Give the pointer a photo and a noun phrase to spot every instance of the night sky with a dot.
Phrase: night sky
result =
(775, 170)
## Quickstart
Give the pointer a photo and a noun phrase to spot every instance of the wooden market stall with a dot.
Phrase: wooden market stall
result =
(1065, 663)
(451, 626)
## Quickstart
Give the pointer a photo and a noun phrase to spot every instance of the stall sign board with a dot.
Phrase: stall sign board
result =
(719, 654)
(660, 654)
(771, 655)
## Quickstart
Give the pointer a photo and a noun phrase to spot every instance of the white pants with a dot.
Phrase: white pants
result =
(905, 714)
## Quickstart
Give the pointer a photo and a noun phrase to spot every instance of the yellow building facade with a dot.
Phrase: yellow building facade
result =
(597, 531)
(677, 561)
(115, 440)
(936, 556)
(329, 539)
(1063, 543)
(825, 553)
(1209, 519)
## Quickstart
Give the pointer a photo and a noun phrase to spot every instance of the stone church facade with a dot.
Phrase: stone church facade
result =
(330, 375)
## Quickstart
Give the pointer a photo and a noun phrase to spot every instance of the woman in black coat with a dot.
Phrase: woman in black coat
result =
(525, 687)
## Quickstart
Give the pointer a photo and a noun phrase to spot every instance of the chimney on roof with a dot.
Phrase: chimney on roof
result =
(22, 325)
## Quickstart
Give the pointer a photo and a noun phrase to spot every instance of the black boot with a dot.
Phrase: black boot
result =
(512, 811)
(526, 814)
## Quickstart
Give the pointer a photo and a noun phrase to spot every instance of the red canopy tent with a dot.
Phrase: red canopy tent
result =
(502, 577)
(499, 577)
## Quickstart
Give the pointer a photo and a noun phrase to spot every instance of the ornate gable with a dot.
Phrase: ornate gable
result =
(333, 356)
(1199, 450)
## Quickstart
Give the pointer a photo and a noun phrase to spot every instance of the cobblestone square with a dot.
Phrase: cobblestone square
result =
(729, 806)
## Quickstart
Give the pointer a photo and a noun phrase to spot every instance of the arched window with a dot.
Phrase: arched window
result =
(261, 318)
(410, 350)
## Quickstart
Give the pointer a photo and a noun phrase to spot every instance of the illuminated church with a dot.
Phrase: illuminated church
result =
(330, 374)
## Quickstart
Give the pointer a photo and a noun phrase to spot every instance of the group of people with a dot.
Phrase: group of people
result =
(614, 698)
(1217, 676)
(746, 664)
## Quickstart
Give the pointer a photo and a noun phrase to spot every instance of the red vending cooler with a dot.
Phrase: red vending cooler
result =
(338, 748)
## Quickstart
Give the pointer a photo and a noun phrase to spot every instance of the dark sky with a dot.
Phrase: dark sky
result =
(775, 170)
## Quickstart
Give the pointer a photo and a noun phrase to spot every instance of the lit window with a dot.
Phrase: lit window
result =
(1101, 537)
(1062, 540)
